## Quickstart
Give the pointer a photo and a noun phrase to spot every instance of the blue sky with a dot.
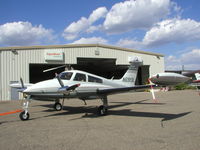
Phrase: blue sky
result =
(169, 27)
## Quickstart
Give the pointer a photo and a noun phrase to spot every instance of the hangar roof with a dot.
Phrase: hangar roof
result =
(77, 45)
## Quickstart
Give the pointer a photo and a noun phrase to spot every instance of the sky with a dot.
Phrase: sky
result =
(168, 27)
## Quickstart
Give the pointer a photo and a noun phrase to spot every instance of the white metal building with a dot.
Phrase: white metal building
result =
(103, 60)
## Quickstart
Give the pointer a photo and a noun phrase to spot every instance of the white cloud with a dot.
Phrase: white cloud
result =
(84, 24)
(91, 29)
(97, 14)
(129, 43)
(92, 40)
(190, 60)
(165, 32)
(136, 14)
(173, 63)
(173, 31)
(74, 29)
(122, 17)
(192, 57)
(23, 33)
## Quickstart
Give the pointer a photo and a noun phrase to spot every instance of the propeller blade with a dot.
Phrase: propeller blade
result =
(152, 91)
(47, 70)
(67, 89)
(60, 81)
(73, 87)
(22, 83)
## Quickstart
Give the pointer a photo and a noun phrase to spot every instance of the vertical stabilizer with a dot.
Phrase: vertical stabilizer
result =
(130, 76)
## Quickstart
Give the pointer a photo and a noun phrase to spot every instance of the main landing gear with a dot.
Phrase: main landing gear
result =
(58, 106)
(103, 109)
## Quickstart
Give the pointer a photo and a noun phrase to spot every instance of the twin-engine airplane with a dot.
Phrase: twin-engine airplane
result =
(82, 85)
(168, 78)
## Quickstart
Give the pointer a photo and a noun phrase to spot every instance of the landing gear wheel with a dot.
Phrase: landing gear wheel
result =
(102, 110)
(24, 116)
(58, 106)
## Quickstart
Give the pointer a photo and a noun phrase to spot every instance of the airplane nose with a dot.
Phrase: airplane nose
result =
(155, 78)
(152, 78)
(43, 86)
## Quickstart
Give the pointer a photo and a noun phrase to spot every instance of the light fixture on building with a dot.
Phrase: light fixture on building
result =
(15, 52)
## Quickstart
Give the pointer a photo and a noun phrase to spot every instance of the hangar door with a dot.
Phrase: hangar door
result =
(36, 73)
(99, 66)
(143, 75)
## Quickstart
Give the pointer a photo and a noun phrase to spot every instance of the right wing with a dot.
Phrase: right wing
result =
(110, 91)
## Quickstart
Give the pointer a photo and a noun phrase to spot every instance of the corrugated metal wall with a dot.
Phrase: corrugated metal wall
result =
(15, 64)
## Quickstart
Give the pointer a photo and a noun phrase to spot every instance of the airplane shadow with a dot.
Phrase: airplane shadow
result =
(91, 111)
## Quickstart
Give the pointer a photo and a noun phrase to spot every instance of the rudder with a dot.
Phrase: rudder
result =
(130, 76)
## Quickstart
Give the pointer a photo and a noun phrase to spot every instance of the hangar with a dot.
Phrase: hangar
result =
(104, 60)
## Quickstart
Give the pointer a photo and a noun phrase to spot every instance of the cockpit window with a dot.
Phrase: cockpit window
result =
(66, 75)
(80, 77)
(94, 79)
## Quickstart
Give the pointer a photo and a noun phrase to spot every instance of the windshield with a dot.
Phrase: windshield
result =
(66, 75)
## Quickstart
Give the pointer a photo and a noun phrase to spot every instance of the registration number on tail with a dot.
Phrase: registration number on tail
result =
(127, 79)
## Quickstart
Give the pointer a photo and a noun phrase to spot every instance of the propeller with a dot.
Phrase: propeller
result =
(22, 83)
(152, 91)
(60, 81)
(47, 70)
(64, 89)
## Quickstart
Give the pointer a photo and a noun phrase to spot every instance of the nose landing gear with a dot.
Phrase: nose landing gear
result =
(24, 115)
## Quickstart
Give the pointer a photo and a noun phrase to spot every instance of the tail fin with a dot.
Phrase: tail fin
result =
(130, 76)
(197, 75)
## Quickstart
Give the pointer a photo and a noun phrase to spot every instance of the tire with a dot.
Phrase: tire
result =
(57, 106)
(102, 110)
(24, 117)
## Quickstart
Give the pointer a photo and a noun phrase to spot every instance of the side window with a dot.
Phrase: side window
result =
(66, 75)
(94, 79)
(80, 77)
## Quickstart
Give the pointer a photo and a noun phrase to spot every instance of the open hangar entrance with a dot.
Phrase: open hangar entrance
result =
(36, 73)
(103, 67)
(106, 67)
(99, 66)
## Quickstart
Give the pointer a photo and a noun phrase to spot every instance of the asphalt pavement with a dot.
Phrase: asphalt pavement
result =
(134, 122)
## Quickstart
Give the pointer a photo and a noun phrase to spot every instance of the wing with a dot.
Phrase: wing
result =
(124, 89)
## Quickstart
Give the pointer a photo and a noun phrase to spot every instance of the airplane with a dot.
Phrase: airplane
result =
(168, 79)
(196, 82)
(82, 85)
(197, 75)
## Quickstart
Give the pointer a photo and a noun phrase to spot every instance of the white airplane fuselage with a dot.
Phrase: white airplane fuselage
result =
(85, 90)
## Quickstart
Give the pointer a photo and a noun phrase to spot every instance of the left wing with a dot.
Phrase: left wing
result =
(124, 89)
